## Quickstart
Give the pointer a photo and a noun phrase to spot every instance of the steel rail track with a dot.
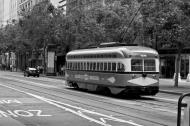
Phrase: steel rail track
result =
(75, 101)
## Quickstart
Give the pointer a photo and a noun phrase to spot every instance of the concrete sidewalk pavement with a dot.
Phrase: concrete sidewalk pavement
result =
(167, 86)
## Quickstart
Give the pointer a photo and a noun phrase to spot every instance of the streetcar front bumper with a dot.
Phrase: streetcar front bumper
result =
(141, 90)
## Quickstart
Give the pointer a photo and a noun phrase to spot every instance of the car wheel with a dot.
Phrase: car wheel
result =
(28, 75)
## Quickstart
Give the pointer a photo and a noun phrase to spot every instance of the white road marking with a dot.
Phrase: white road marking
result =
(79, 112)
(10, 101)
(23, 113)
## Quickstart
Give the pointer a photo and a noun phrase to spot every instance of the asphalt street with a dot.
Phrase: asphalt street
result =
(32, 101)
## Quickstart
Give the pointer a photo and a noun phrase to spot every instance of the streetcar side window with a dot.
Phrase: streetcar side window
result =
(98, 66)
(94, 66)
(120, 67)
(109, 66)
(72, 66)
(113, 66)
(149, 65)
(88, 66)
(81, 66)
(85, 66)
(136, 65)
(105, 66)
(91, 66)
(75, 64)
(101, 66)
(78, 66)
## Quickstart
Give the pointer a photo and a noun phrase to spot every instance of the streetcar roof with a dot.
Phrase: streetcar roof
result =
(122, 51)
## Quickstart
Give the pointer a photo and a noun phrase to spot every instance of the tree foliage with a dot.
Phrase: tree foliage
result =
(154, 23)
(167, 20)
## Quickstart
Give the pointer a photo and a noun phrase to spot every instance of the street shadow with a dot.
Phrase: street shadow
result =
(118, 96)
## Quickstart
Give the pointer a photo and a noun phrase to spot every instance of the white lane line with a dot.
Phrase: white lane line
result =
(33, 83)
(80, 111)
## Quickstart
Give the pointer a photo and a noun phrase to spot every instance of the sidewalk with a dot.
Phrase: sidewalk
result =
(167, 86)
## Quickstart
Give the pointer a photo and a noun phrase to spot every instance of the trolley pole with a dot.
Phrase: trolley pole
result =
(180, 105)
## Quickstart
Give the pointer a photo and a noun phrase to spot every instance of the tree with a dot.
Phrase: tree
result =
(169, 19)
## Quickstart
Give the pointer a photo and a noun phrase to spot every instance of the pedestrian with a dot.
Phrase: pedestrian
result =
(62, 70)
(38, 68)
(11, 67)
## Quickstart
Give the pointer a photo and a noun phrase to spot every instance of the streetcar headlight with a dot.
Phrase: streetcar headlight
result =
(154, 76)
(133, 76)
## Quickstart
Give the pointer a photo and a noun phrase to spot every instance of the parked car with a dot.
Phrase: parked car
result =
(31, 72)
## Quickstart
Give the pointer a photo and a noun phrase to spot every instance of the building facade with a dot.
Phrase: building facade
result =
(15, 6)
(1, 12)
(13, 10)
(168, 61)
(26, 5)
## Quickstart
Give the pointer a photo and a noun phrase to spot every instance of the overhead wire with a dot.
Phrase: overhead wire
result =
(126, 30)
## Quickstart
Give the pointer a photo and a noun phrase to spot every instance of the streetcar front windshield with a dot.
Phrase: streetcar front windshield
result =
(149, 65)
(143, 65)
(137, 65)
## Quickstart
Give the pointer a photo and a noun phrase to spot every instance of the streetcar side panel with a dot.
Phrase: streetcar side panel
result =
(120, 71)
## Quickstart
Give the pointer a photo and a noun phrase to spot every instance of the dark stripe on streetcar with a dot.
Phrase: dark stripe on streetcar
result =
(133, 72)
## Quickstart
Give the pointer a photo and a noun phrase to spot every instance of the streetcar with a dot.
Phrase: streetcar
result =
(121, 69)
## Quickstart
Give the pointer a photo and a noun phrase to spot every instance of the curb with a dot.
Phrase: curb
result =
(170, 92)
(53, 77)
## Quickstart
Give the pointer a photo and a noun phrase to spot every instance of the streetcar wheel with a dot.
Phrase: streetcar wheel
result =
(75, 85)
(106, 91)
(103, 90)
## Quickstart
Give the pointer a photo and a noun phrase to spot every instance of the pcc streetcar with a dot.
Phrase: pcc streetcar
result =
(116, 70)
